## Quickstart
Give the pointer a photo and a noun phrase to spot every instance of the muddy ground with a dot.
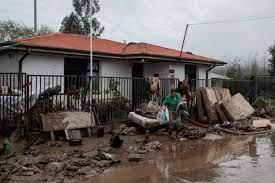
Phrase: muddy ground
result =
(216, 158)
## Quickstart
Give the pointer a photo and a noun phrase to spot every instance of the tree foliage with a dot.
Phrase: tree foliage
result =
(10, 29)
(78, 21)
(234, 71)
(271, 60)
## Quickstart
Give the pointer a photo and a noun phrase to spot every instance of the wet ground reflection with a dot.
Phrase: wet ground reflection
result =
(233, 159)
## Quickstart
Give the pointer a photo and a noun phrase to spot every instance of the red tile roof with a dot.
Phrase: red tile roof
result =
(76, 42)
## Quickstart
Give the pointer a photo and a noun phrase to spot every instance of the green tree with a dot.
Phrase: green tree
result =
(271, 60)
(234, 71)
(10, 28)
(78, 21)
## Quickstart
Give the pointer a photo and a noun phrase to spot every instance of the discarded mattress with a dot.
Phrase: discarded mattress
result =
(67, 120)
(209, 99)
(143, 121)
(237, 108)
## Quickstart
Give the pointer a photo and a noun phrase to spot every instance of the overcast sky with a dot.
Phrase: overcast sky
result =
(163, 22)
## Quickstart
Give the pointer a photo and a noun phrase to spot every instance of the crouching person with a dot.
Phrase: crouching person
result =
(171, 101)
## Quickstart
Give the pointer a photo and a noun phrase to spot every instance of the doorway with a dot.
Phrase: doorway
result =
(137, 84)
(191, 72)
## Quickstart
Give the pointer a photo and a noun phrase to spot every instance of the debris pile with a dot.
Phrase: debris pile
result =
(183, 131)
(124, 130)
(143, 148)
(149, 110)
(248, 125)
(51, 167)
(216, 105)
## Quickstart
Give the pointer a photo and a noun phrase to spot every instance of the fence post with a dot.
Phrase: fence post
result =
(254, 88)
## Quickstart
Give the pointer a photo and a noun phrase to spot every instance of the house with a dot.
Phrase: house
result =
(63, 59)
(69, 54)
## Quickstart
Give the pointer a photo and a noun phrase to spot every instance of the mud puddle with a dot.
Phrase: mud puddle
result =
(231, 159)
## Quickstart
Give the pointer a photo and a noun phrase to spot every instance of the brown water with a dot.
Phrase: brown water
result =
(234, 159)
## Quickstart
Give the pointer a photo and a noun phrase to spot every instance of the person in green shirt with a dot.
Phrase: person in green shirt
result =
(171, 101)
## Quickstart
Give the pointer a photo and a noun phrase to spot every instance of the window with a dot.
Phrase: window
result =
(191, 73)
(95, 68)
(96, 79)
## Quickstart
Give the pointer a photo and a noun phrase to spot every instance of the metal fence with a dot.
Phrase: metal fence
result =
(12, 101)
(112, 97)
(259, 86)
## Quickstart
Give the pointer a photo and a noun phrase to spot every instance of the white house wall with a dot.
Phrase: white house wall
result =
(179, 70)
(149, 69)
(45, 64)
(9, 63)
(115, 68)
(201, 75)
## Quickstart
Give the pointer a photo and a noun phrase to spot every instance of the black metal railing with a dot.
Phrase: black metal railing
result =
(12, 101)
(258, 86)
(112, 97)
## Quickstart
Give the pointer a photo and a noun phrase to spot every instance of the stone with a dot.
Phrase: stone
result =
(212, 136)
(134, 157)
(182, 139)
(71, 168)
(261, 123)
(103, 163)
(55, 167)
(87, 171)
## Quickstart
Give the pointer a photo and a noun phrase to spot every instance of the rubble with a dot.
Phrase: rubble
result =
(134, 157)
(144, 148)
(261, 123)
(184, 131)
(246, 125)
(73, 163)
(262, 112)
(124, 130)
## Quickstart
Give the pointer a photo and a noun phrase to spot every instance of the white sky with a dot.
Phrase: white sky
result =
(163, 22)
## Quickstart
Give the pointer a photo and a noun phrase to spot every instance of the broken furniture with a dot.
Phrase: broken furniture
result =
(60, 121)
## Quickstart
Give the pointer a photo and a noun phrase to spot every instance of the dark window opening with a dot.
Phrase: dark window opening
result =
(96, 79)
(191, 73)
(73, 68)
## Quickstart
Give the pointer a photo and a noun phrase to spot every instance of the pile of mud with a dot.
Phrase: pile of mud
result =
(45, 167)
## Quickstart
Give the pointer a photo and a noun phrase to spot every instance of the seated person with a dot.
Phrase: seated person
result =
(171, 101)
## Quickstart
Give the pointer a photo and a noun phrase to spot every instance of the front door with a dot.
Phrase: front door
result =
(137, 84)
